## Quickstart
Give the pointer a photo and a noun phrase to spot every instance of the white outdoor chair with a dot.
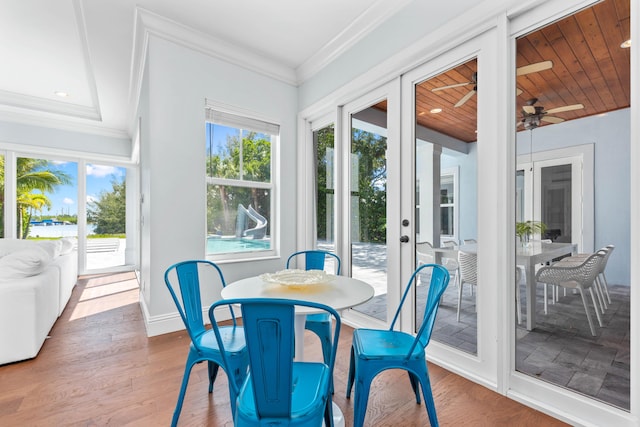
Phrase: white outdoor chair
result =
(468, 263)
(580, 277)
(469, 241)
(426, 255)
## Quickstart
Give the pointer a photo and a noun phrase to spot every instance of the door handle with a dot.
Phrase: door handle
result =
(404, 239)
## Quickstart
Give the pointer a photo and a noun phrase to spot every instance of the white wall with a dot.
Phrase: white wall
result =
(610, 135)
(26, 137)
(173, 164)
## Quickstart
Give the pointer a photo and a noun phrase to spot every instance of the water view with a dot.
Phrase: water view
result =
(61, 230)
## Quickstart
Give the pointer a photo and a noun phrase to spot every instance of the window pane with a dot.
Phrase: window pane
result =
(238, 154)
(238, 219)
(106, 216)
(46, 193)
(325, 176)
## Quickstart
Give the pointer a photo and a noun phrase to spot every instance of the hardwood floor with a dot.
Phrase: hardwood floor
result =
(100, 369)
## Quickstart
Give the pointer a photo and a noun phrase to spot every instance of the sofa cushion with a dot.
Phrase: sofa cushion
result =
(52, 247)
(67, 245)
(23, 263)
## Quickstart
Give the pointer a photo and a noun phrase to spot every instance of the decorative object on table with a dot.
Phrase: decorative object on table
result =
(375, 350)
(525, 230)
(186, 277)
(315, 260)
(297, 278)
(278, 390)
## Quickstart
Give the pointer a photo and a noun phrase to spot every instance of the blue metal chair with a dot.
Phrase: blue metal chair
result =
(186, 276)
(318, 323)
(279, 391)
(374, 350)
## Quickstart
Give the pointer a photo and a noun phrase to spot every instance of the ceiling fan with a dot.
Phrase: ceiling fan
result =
(520, 71)
(533, 115)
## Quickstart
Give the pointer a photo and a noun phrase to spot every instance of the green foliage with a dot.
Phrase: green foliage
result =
(34, 178)
(249, 156)
(325, 144)
(529, 228)
(108, 213)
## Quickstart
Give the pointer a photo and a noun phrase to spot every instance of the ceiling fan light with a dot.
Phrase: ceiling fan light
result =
(435, 110)
(626, 44)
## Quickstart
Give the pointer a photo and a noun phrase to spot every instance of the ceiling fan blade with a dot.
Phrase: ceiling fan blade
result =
(450, 86)
(529, 109)
(533, 68)
(518, 91)
(565, 108)
(465, 98)
(552, 119)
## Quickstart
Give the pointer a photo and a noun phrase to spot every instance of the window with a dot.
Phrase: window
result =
(323, 140)
(239, 183)
(1, 196)
(447, 205)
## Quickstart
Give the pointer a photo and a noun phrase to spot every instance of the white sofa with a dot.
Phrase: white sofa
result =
(36, 281)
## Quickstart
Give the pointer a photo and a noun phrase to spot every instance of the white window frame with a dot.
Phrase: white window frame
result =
(246, 120)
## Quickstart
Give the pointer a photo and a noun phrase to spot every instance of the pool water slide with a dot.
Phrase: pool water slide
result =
(242, 222)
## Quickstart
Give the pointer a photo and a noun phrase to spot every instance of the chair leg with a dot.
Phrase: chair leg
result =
(352, 374)
(430, 405)
(415, 385)
(212, 367)
(183, 389)
(361, 399)
(459, 299)
(601, 294)
(605, 286)
(586, 310)
(545, 298)
(595, 306)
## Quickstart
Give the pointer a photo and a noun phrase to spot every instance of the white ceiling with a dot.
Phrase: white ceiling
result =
(86, 47)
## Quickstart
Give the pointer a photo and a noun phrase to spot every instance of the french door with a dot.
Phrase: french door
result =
(370, 163)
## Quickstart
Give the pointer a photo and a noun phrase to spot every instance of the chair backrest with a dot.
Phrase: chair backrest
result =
(315, 259)
(424, 253)
(468, 262)
(469, 241)
(437, 286)
(269, 332)
(584, 273)
(185, 277)
(608, 249)
(449, 244)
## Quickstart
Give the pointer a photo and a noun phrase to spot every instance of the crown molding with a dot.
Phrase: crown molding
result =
(368, 21)
(48, 105)
(45, 119)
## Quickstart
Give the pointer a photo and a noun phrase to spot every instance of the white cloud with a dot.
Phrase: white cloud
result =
(91, 199)
(67, 201)
(101, 171)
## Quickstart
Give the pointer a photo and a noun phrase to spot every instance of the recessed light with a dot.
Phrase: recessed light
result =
(61, 94)
(626, 44)
(436, 110)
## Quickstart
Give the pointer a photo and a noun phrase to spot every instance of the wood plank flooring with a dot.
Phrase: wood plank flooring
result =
(100, 369)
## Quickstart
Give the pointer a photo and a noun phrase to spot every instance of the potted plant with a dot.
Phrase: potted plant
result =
(525, 230)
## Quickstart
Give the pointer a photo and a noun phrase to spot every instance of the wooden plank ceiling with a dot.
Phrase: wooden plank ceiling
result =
(588, 66)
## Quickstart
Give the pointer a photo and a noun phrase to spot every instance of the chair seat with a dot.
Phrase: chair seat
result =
(306, 392)
(234, 340)
(384, 344)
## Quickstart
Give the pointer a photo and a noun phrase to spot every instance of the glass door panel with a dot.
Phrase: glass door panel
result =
(324, 153)
(368, 205)
(106, 216)
(564, 140)
(445, 169)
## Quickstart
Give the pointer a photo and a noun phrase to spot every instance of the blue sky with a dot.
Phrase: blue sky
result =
(65, 199)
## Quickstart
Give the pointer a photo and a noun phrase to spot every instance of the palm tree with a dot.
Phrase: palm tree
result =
(34, 178)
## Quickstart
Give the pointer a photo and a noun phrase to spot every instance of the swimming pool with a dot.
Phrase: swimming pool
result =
(225, 245)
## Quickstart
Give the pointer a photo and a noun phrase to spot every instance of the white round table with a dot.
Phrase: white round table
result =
(340, 293)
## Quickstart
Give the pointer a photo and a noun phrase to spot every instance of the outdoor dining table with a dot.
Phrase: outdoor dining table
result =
(340, 293)
(529, 256)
